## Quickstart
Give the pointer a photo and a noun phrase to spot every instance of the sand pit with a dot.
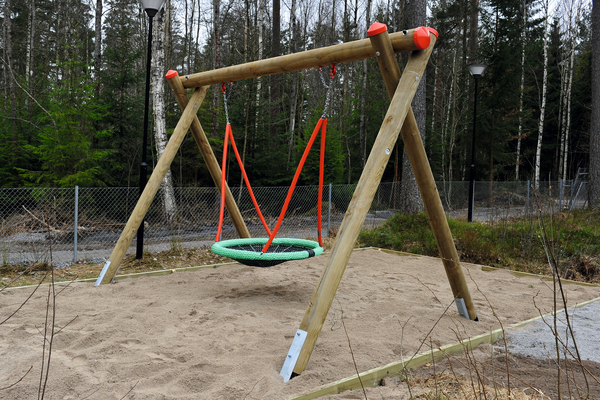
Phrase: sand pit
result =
(223, 333)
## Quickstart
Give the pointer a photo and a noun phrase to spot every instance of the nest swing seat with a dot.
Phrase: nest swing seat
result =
(270, 251)
(248, 251)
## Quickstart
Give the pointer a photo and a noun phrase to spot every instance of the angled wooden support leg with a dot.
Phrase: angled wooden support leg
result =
(209, 156)
(424, 177)
(322, 298)
(145, 200)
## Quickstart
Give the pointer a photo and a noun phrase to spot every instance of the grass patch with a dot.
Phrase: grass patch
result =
(508, 243)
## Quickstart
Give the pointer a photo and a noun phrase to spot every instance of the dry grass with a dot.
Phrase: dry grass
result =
(449, 386)
(167, 260)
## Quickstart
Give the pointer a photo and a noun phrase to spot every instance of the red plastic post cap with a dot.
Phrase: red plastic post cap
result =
(433, 31)
(376, 29)
(422, 38)
(171, 74)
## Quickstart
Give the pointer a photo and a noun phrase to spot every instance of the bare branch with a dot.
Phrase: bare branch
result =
(14, 384)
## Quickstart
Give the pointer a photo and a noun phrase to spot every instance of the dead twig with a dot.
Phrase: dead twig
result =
(26, 300)
(51, 292)
(554, 265)
(501, 327)
(248, 394)
(133, 387)
(91, 394)
(351, 352)
(42, 222)
(17, 382)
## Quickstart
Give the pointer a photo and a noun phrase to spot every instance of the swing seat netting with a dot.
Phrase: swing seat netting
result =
(248, 251)
(266, 252)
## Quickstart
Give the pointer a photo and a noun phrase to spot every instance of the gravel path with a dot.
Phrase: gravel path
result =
(537, 340)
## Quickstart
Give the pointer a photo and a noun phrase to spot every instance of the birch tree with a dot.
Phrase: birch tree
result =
(157, 82)
(363, 97)
(260, 23)
(31, 22)
(538, 151)
(275, 79)
(525, 11)
(594, 194)
(292, 119)
(572, 14)
(98, 44)
(10, 78)
(217, 49)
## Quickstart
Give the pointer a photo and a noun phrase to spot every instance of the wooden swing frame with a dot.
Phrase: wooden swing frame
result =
(401, 88)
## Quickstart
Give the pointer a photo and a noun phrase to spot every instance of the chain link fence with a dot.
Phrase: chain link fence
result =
(85, 223)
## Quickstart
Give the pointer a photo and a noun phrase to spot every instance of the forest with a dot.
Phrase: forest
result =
(73, 83)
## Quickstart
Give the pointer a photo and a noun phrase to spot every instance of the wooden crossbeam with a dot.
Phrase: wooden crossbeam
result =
(409, 40)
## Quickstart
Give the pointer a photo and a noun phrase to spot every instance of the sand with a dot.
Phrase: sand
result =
(223, 333)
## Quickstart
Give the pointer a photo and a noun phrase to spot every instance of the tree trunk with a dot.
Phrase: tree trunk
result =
(30, 44)
(345, 113)
(538, 153)
(410, 198)
(10, 79)
(525, 11)
(275, 79)
(98, 45)
(261, 19)
(248, 99)
(292, 123)
(363, 99)
(594, 193)
(473, 30)
(157, 83)
(186, 36)
(168, 34)
(573, 26)
(216, 22)
(452, 106)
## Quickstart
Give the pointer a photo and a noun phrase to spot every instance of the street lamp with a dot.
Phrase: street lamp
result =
(151, 7)
(476, 70)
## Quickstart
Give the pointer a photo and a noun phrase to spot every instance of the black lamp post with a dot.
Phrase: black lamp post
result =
(151, 7)
(476, 70)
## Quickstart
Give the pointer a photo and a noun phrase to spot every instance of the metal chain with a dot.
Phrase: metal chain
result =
(328, 95)
(225, 102)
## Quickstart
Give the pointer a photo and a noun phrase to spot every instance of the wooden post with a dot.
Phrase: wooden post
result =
(422, 169)
(209, 157)
(324, 293)
(145, 200)
(410, 40)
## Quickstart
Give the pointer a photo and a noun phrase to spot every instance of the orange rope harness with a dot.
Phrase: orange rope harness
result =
(321, 125)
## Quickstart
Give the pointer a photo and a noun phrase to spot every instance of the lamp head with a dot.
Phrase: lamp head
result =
(476, 69)
(151, 6)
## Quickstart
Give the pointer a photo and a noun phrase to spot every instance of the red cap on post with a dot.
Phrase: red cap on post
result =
(171, 74)
(422, 37)
(376, 29)
(433, 31)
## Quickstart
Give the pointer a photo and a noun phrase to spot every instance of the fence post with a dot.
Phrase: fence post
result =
(528, 186)
(76, 222)
(329, 213)
(560, 192)
(473, 199)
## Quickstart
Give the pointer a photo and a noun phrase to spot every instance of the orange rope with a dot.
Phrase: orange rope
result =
(322, 122)
(229, 134)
